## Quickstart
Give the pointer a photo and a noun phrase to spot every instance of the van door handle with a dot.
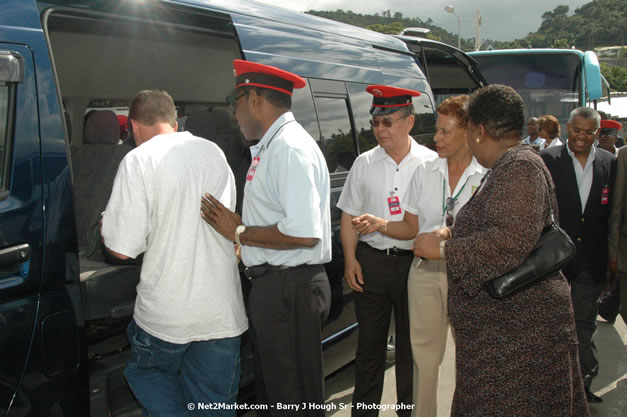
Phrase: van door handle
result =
(14, 255)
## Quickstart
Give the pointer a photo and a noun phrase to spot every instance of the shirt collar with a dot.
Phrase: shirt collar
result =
(591, 155)
(474, 167)
(380, 154)
(272, 131)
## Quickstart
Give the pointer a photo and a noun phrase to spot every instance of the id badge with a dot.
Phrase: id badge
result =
(394, 204)
(605, 195)
(252, 169)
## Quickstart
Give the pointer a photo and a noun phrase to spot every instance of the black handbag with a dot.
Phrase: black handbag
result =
(553, 251)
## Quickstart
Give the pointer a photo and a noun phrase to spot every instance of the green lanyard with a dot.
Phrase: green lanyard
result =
(454, 198)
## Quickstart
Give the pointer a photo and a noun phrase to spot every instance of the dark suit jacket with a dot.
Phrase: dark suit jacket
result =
(588, 230)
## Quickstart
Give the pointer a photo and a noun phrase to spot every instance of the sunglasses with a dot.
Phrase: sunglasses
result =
(450, 205)
(386, 121)
(233, 98)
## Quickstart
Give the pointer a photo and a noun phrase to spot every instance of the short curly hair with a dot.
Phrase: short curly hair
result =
(550, 125)
(457, 107)
(500, 109)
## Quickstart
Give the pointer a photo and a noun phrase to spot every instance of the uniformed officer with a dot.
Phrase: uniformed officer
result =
(285, 237)
(608, 134)
(376, 266)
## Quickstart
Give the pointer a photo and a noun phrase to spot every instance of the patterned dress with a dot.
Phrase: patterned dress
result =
(517, 356)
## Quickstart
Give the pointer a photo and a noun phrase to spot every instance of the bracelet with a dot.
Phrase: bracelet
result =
(442, 252)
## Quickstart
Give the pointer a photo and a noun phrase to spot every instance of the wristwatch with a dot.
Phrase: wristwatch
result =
(442, 253)
(238, 231)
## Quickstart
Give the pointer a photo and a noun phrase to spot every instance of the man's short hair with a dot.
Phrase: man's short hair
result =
(150, 107)
(274, 97)
(585, 113)
(533, 120)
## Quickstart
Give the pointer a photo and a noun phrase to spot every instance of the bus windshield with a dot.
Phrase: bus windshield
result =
(549, 83)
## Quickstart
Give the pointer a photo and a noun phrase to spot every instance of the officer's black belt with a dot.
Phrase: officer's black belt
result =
(257, 271)
(389, 251)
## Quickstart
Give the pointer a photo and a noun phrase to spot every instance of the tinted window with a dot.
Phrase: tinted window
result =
(304, 111)
(424, 124)
(548, 83)
(336, 133)
(4, 129)
(360, 102)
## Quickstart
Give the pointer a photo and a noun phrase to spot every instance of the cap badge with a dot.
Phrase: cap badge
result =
(376, 92)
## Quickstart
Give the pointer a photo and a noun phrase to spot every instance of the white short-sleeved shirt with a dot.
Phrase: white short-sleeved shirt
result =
(288, 185)
(429, 189)
(377, 185)
(190, 287)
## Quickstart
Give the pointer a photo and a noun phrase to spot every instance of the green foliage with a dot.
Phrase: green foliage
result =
(597, 23)
(391, 29)
(616, 76)
(388, 21)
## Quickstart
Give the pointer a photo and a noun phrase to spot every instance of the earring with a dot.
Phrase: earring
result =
(478, 141)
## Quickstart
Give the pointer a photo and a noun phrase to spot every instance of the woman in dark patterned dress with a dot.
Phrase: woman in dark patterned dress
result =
(516, 356)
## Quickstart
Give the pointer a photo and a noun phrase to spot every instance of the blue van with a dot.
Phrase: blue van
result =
(63, 65)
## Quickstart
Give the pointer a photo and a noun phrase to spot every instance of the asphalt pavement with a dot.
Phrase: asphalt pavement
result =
(610, 384)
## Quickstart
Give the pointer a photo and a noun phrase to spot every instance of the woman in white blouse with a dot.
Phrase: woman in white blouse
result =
(550, 130)
(438, 189)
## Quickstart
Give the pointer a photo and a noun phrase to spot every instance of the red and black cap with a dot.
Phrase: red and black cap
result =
(387, 100)
(608, 126)
(265, 76)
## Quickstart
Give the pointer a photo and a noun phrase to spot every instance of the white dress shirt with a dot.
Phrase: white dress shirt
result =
(375, 178)
(584, 175)
(429, 189)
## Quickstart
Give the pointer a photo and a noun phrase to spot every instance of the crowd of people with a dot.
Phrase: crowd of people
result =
(422, 232)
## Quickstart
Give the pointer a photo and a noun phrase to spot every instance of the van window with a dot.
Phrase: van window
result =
(4, 132)
(304, 111)
(336, 133)
(361, 101)
(424, 124)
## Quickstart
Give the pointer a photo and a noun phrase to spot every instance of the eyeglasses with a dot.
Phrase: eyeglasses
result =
(386, 121)
(588, 133)
(233, 98)
(450, 205)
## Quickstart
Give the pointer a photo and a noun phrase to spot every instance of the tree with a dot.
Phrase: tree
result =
(616, 76)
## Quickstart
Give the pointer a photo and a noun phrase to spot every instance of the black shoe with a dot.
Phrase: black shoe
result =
(592, 398)
(608, 317)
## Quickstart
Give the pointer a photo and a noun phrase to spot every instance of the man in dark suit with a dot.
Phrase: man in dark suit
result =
(584, 177)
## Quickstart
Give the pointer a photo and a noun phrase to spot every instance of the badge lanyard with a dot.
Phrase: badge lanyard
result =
(257, 158)
(454, 198)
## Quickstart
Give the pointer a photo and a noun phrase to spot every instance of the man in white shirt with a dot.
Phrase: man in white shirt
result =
(285, 238)
(189, 313)
(376, 266)
(584, 178)
(534, 138)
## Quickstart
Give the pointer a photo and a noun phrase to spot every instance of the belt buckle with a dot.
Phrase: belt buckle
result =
(387, 251)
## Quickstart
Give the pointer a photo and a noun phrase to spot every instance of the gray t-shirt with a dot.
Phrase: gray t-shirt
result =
(189, 288)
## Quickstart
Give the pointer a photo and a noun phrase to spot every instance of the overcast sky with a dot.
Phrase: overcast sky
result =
(502, 20)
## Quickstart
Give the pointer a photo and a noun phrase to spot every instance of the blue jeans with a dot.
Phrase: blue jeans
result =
(170, 379)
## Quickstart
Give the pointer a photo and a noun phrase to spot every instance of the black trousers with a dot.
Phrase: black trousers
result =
(287, 311)
(585, 293)
(385, 290)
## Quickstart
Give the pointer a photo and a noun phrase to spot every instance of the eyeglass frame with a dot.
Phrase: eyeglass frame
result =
(233, 98)
(387, 122)
(588, 133)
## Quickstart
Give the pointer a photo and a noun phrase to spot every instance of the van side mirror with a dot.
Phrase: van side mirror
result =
(11, 67)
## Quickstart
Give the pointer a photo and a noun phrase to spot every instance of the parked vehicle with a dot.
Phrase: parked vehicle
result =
(550, 81)
(64, 306)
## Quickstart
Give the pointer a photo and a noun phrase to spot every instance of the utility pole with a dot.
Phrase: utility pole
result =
(478, 31)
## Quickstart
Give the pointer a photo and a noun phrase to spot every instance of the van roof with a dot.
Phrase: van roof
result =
(269, 13)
